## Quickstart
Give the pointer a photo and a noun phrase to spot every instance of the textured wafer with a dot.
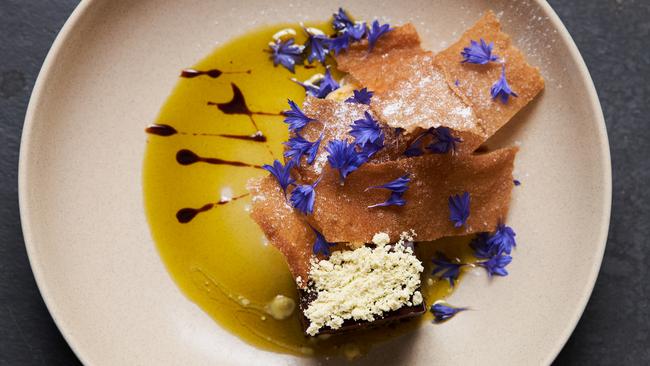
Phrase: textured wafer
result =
(376, 69)
(410, 91)
(475, 81)
(417, 90)
(333, 120)
(284, 227)
(341, 213)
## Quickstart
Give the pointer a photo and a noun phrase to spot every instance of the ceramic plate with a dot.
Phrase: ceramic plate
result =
(112, 67)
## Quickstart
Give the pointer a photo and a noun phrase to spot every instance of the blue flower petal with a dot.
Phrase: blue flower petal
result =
(478, 53)
(367, 130)
(444, 141)
(501, 89)
(395, 199)
(313, 150)
(459, 209)
(342, 23)
(415, 148)
(299, 146)
(371, 148)
(445, 268)
(286, 54)
(496, 265)
(281, 173)
(443, 312)
(360, 96)
(317, 46)
(295, 118)
(399, 185)
(325, 86)
(503, 239)
(303, 197)
(321, 246)
(339, 43)
(344, 157)
(341, 20)
(375, 32)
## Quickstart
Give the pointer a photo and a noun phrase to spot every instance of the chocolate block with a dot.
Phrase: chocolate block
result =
(349, 325)
(403, 313)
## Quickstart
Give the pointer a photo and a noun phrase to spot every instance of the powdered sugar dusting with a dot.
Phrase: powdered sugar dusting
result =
(334, 120)
(424, 100)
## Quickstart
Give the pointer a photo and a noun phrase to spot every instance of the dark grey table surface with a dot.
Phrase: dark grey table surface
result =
(614, 38)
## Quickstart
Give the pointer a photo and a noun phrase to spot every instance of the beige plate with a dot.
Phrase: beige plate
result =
(112, 67)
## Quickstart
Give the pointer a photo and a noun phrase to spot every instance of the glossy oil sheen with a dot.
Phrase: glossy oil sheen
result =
(212, 249)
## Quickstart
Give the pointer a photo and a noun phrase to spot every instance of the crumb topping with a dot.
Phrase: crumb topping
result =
(363, 284)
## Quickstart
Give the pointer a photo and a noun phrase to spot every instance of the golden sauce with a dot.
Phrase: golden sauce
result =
(218, 256)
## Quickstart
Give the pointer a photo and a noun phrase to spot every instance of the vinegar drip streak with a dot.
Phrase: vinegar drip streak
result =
(237, 105)
(185, 215)
(161, 130)
(213, 73)
(187, 157)
(167, 130)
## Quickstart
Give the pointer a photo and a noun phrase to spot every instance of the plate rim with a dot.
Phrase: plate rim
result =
(68, 29)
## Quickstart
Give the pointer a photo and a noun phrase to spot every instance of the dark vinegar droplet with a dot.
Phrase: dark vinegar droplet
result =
(161, 130)
(236, 105)
(214, 73)
(186, 215)
(186, 157)
(192, 73)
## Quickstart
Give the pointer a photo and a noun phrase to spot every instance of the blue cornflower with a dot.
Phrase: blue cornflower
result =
(415, 149)
(328, 83)
(397, 187)
(303, 196)
(360, 96)
(480, 246)
(341, 20)
(342, 23)
(321, 246)
(356, 31)
(496, 265)
(479, 53)
(344, 157)
(286, 53)
(317, 46)
(370, 149)
(339, 43)
(444, 141)
(459, 209)
(310, 89)
(443, 312)
(295, 118)
(367, 130)
(501, 89)
(503, 239)
(325, 86)
(445, 268)
(299, 146)
(395, 199)
(375, 32)
(281, 173)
